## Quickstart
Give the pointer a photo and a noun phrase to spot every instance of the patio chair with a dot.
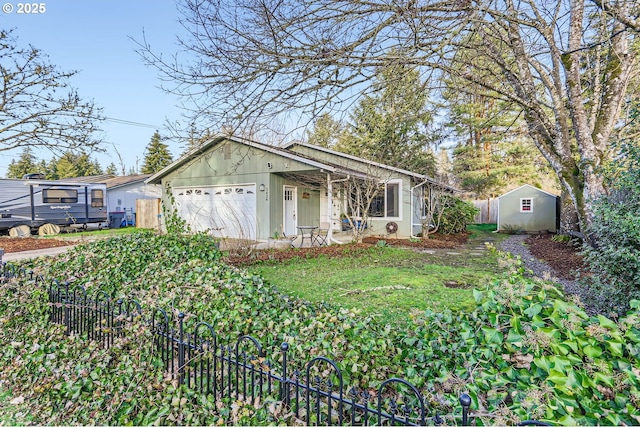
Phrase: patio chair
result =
(320, 234)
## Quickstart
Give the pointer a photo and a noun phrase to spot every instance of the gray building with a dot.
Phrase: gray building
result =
(528, 209)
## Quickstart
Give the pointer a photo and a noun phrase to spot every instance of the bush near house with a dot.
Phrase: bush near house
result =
(523, 352)
(456, 215)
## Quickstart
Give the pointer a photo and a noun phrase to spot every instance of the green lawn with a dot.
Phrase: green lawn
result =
(390, 282)
(106, 233)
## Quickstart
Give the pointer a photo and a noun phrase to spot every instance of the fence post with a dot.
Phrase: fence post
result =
(181, 350)
(284, 385)
(117, 326)
(465, 401)
(67, 309)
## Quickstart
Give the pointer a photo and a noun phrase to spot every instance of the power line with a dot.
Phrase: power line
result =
(130, 123)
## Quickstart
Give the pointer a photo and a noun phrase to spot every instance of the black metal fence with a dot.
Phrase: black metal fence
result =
(313, 395)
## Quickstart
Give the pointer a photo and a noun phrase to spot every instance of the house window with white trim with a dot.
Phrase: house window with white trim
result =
(386, 204)
(526, 205)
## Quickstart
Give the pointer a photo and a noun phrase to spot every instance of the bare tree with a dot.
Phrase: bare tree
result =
(565, 64)
(37, 105)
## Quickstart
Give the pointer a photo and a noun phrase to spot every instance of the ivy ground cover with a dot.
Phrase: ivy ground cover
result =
(522, 351)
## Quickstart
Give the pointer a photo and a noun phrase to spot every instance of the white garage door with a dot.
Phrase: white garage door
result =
(227, 211)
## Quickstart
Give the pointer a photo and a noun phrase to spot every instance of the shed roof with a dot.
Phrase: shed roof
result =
(528, 186)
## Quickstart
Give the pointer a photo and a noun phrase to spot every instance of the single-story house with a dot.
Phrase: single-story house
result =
(123, 191)
(124, 194)
(238, 188)
(528, 209)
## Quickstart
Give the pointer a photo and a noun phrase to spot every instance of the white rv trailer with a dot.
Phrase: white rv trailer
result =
(37, 202)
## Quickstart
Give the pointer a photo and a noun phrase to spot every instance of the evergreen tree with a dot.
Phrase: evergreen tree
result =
(157, 156)
(326, 131)
(493, 151)
(25, 164)
(391, 126)
(72, 165)
(111, 169)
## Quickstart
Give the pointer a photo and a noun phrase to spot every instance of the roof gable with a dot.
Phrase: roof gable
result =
(198, 151)
(528, 186)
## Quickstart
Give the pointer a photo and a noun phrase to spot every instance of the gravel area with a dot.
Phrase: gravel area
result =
(515, 245)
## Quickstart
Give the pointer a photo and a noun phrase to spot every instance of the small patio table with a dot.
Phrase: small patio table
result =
(306, 232)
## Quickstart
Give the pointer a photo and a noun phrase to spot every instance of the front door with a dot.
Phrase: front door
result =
(290, 210)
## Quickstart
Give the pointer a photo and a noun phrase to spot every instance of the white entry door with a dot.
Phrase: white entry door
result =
(290, 210)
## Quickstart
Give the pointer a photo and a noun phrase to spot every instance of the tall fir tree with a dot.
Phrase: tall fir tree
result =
(111, 169)
(392, 125)
(72, 165)
(157, 155)
(27, 163)
(326, 131)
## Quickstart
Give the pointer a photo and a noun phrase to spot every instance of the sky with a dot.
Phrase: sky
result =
(94, 38)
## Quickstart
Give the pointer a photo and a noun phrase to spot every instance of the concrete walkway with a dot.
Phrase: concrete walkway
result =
(15, 256)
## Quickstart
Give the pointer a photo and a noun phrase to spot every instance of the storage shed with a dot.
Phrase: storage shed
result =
(528, 209)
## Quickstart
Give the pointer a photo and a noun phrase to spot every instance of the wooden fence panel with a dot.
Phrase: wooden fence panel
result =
(147, 211)
(488, 211)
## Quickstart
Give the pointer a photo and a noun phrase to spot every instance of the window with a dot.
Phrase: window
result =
(97, 198)
(387, 202)
(59, 195)
(526, 205)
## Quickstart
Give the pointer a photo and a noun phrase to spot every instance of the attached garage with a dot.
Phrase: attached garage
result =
(226, 210)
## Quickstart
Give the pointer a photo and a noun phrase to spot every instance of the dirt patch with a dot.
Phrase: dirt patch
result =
(438, 241)
(456, 285)
(564, 258)
(279, 255)
(20, 244)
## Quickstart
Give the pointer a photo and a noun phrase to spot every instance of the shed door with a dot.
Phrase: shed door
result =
(225, 211)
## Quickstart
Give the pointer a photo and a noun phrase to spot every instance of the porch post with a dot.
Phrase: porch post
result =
(330, 208)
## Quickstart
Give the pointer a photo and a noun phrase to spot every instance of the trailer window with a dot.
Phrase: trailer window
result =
(59, 195)
(97, 198)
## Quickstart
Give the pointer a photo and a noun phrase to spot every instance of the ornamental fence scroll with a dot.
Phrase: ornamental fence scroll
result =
(313, 395)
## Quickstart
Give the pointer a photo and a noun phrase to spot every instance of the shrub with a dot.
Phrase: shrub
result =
(511, 229)
(526, 353)
(614, 259)
(456, 215)
(523, 352)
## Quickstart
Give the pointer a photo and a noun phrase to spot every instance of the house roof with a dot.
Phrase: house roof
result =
(91, 179)
(196, 152)
(372, 163)
(119, 181)
(287, 153)
(529, 186)
(110, 180)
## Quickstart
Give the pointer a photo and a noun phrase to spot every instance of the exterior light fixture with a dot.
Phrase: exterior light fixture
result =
(261, 187)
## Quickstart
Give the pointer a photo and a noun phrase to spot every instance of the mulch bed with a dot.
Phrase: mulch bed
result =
(279, 255)
(19, 244)
(564, 258)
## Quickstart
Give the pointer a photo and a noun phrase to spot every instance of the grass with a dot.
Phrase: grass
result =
(390, 282)
(106, 233)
